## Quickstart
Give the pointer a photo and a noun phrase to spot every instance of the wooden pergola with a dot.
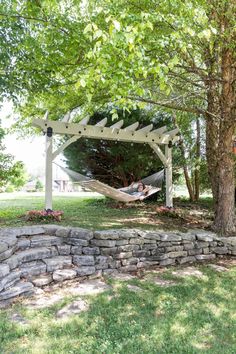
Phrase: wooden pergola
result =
(115, 132)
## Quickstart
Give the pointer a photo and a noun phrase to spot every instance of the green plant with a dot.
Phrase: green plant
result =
(44, 215)
(38, 185)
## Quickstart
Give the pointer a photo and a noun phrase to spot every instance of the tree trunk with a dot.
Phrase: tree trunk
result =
(221, 117)
(225, 207)
(198, 158)
(212, 138)
(185, 165)
(186, 173)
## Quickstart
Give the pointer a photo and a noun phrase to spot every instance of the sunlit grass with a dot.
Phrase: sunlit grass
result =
(193, 316)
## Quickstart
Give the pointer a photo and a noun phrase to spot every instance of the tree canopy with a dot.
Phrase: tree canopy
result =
(90, 53)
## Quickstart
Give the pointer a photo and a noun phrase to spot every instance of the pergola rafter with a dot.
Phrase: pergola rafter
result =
(115, 132)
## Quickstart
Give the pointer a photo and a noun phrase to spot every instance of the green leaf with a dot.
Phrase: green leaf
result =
(82, 82)
(88, 28)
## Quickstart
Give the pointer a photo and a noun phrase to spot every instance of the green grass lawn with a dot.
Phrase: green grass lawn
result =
(99, 213)
(197, 315)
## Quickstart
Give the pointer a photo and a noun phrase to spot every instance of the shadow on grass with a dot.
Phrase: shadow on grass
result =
(194, 316)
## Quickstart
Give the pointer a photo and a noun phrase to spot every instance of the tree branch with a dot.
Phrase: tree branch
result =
(33, 19)
(169, 104)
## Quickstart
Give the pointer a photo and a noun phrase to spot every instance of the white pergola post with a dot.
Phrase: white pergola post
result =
(48, 174)
(168, 170)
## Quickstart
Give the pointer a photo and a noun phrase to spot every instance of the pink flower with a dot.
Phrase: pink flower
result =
(44, 215)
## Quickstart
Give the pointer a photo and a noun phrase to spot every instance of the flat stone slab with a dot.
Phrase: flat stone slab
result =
(42, 280)
(159, 281)
(74, 308)
(134, 288)
(4, 270)
(57, 262)
(64, 274)
(189, 272)
(122, 276)
(43, 300)
(10, 280)
(18, 289)
(229, 240)
(163, 282)
(91, 287)
(17, 318)
(218, 268)
(45, 241)
(32, 268)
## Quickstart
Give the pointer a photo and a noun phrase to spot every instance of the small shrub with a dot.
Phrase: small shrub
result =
(44, 215)
(10, 189)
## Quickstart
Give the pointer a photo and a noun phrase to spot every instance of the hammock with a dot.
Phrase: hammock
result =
(122, 194)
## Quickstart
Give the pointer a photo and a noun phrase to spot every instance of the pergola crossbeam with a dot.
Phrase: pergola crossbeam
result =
(99, 131)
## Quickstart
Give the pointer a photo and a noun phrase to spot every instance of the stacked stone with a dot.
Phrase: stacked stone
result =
(227, 246)
(38, 255)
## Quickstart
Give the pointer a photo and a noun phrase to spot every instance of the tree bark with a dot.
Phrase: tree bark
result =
(186, 173)
(224, 222)
(221, 120)
(185, 165)
(225, 208)
(198, 158)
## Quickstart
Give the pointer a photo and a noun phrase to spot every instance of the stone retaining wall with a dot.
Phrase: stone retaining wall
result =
(35, 256)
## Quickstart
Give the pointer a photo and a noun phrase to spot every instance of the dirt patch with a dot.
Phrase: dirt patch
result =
(227, 261)
(185, 215)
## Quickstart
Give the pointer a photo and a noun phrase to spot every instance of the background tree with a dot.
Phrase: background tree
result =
(12, 173)
(192, 149)
(178, 54)
(38, 186)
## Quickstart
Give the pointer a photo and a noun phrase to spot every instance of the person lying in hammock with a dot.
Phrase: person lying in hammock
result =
(138, 189)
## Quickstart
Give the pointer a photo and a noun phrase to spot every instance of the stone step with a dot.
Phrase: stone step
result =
(18, 289)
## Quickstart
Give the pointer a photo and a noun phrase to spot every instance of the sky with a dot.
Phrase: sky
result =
(30, 150)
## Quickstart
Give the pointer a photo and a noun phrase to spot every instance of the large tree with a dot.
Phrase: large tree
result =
(180, 55)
